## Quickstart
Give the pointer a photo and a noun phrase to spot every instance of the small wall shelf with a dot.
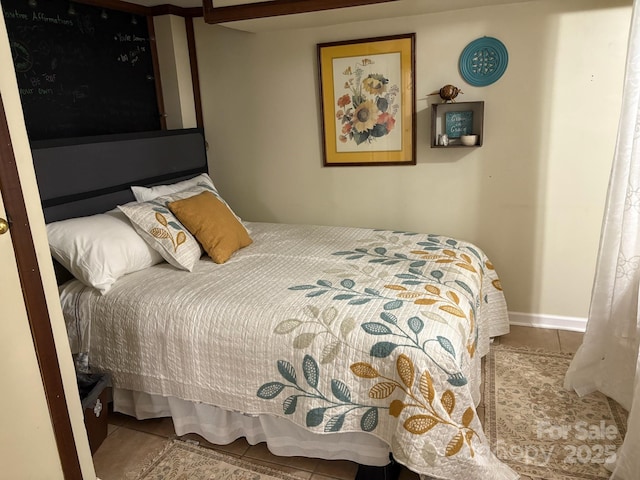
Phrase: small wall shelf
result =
(454, 119)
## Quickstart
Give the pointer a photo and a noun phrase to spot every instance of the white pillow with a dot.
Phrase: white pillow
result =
(144, 194)
(99, 249)
(202, 181)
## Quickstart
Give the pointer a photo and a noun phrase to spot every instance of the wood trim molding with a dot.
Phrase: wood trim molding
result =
(165, 9)
(195, 79)
(36, 304)
(117, 5)
(233, 13)
(156, 73)
(272, 8)
(168, 9)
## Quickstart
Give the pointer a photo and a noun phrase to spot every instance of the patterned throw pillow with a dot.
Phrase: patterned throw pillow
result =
(155, 223)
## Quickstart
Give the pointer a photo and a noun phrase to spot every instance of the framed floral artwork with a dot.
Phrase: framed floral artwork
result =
(368, 101)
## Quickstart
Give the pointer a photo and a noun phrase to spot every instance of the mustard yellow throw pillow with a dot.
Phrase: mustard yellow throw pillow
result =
(213, 224)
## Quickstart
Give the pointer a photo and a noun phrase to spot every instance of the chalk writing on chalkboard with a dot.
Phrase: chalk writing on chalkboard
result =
(458, 123)
(82, 70)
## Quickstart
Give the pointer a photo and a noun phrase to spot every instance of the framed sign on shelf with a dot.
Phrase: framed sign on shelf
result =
(459, 123)
(367, 98)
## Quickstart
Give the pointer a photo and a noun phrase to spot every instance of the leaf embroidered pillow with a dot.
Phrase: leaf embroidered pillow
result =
(155, 223)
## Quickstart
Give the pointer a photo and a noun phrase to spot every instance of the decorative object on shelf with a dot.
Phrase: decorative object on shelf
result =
(444, 140)
(447, 93)
(456, 120)
(368, 101)
(483, 61)
(468, 140)
(458, 123)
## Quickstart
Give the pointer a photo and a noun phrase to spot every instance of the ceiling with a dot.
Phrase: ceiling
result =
(399, 8)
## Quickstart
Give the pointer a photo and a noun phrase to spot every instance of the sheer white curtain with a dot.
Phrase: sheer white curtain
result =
(608, 360)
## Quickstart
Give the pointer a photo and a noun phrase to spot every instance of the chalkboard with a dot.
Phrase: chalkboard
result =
(81, 70)
(459, 123)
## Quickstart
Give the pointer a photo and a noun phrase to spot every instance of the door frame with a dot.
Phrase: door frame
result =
(35, 303)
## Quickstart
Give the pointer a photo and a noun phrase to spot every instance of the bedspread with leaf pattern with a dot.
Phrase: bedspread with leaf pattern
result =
(337, 329)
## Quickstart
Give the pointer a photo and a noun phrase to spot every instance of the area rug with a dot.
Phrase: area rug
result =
(542, 430)
(181, 460)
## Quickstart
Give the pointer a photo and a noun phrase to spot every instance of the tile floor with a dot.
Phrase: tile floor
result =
(131, 442)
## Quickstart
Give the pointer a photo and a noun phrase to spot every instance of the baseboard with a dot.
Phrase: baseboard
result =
(574, 324)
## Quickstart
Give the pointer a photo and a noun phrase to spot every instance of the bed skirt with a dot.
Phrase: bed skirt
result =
(283, 438)
(222, 427)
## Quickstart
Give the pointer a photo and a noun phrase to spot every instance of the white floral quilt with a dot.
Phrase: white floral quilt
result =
(337, 329)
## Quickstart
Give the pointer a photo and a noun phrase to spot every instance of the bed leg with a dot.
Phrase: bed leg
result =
(388, 472)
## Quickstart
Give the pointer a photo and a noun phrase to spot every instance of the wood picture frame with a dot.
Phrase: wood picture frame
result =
(367, 97)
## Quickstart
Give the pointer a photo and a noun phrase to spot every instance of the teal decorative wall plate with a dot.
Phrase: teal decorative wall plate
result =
(483, 61)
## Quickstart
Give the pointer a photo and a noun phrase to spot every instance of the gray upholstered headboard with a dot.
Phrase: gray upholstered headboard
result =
(88, 175)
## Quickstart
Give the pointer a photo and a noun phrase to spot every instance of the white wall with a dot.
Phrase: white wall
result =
(175, 71)
(532, 197)
(27, 446)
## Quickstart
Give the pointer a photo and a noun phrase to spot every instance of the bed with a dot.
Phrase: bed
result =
(323, 341)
